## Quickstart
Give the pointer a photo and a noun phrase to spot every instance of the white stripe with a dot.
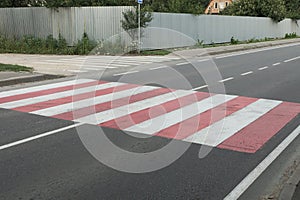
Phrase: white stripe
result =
(259, 169)
(154, 68)
(246, 73)
(221, 130)
(184, 63)
(227, 79)
(124, 73)
(6, 146)
(93, 69)
(263, 68)
(73, 106)
(41, 98)
(133, 107)
(159, 123)
(76, 71)
(201, 87)
(292, 59)
(43, 87)
(275, 64)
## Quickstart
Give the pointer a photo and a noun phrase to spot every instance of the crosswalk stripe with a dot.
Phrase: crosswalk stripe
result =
(53, 96)
(190, 126)
(114, 101)
(14, 93)
(130, 108)
(143, 115)
(256, 134)
(159, 123)
(221, 130)
(86, 93)
(224, 121)
(75, 107)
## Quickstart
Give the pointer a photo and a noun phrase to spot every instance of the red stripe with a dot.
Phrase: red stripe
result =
(194, 124)
(48, 91)
(82, 112)
(73, 98)
(143, 115)
(254, 136)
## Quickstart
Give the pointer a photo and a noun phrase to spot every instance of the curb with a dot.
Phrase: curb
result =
(254, 46)
(290, 187)
(27, 79)
(233, 48)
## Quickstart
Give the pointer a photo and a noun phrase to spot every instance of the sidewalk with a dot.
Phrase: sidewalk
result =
(68, 65)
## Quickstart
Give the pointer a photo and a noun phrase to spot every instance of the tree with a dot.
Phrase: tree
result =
(274, 9)
(130, 21)
(293, 8)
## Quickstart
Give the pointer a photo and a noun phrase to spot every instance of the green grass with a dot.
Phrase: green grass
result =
(155, 52)
(14, 68)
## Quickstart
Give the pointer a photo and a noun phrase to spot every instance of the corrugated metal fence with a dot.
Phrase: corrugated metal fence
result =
(165, 31)
(99, 22)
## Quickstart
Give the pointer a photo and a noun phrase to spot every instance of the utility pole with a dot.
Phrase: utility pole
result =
(139, 25)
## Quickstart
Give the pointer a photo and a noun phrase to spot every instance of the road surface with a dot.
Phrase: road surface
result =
(43, 157)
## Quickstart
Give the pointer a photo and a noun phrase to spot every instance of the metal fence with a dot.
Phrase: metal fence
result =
(165, 31)
(220, 29)
(99, 22)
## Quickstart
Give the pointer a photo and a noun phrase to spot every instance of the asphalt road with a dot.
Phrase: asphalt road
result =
(59, 166)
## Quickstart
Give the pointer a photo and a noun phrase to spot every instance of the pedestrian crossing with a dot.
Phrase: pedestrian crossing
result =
(95, 63)
(223, 121)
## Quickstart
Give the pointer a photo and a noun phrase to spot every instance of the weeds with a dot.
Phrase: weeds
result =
(290, 35)
(33, 45)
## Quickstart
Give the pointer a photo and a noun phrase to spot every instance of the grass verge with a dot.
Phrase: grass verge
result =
(14, 68)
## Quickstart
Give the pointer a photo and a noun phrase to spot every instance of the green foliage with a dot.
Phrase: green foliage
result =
(130, 21)
(32, 45)
(233, 41)
(290, 35)
(85, 45)
(14, 68)
(293, 9)
(274, 9)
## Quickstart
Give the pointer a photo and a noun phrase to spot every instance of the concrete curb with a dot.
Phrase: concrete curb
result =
(233, 48)
(290, 187)
(26, 79)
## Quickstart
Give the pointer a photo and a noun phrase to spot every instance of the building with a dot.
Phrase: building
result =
(215, 6)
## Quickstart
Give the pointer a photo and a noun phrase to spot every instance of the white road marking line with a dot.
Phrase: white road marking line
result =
(216, 133)
(184, 63)
(227, 79)
(133, 107)
(203, 60)
(275, 64)
(292, 59)
(97, 67)
(201, 87)
(75, 105)
(124, 73)
(247, 73)
(161, 122)
(154, 68)
(93, 69)
(76, 71)
(57, 95)
(43, 87)
(6, 146)
(263, 68)
(259, 169)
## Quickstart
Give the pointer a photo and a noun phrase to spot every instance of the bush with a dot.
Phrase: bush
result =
(32, 45)
(290, 35)
(234, 41)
